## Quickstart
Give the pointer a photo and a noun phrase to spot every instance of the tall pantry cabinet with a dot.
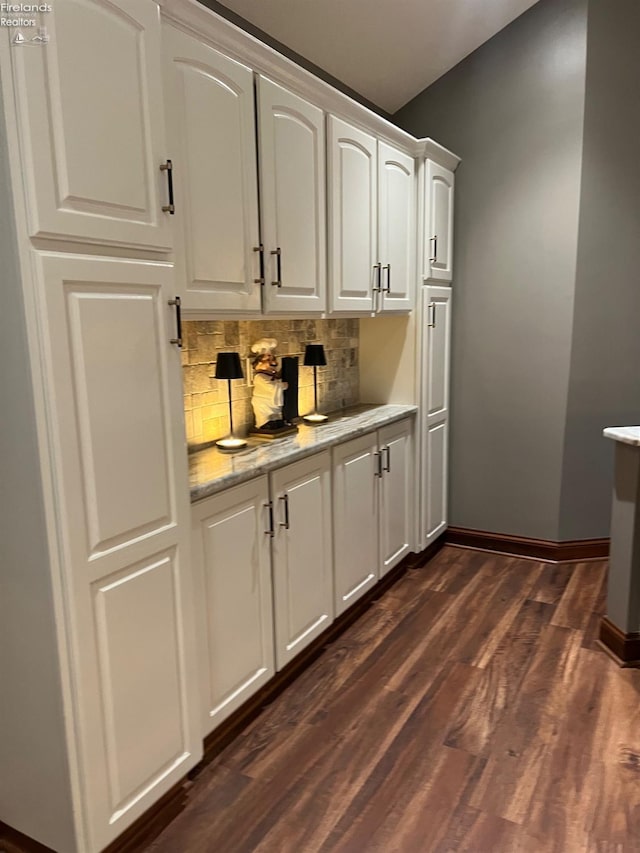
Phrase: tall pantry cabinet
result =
(86, 140)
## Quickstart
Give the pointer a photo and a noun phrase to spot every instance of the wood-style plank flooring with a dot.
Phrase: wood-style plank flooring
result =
(468, 709)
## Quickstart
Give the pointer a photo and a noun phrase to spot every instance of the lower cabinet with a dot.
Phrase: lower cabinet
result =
(373, 509)
(232, 557)
(302, 560)
(274, 562)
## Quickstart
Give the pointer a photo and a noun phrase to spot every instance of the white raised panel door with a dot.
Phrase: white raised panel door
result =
(396, 228)
(436, 356)
(355, 519)
(302, 560)
(353, 217)
(91, 121)
(119, 456)
(396, 494)
(292, 199)
(232, 557)
(437, 443)
(437, 352)
(211, 131)
(438, 238)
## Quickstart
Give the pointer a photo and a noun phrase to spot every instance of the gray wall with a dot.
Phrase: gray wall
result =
(604, 387)
(34, 777)
(513, 110)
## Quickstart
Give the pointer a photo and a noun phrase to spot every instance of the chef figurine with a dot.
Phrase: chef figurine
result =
(268, 387)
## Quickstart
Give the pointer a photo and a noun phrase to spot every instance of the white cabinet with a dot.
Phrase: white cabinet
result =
(355, 519)
(302, 558)
(292, 199)
(113, 388)
(212, 143)
(373, 509)
(91, 122)
(371, 209)
(396, 229)
(436, 353)
(438, 235)
(232, 559)
(354, 271)
(396, 493)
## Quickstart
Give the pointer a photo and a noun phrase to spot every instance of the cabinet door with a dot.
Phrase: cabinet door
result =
(232, 557)
(353, 217)
(396, 228)
(355, 519)
(118, 455)
(292, 198)
(436, 352)
(211, 131)
(90, 110)
(436, 483)
(302, 564)
(438, 238)
(396, 494)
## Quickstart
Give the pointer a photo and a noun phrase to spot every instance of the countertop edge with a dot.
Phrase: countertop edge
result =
(625, 435)
(222, 484)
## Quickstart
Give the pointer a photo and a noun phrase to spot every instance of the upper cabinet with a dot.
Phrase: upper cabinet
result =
(211, 128)
(438, 236)
(354, 271)
(91, 124)
(396, 228)
(371, 210)
(292, 196)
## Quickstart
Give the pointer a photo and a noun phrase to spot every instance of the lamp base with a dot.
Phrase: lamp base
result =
(315, 419)
(231, 444)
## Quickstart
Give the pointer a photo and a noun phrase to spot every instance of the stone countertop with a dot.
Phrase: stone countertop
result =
(211, 471)
(627, 435)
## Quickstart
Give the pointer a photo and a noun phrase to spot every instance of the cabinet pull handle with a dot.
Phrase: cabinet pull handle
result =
(377, 269)
(260, 249)
(278, 254)
(432, 315)
(378, 458)
(387, 289)
(271, 530)
(285, 523)
(434, 240)
(168, 168)
(178, 339)
(387, 450)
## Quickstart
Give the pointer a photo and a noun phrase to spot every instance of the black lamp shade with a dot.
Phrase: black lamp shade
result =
(228, 366)
(314, 355)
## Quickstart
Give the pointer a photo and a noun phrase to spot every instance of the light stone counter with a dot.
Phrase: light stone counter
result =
(211, 471)
(627, 435)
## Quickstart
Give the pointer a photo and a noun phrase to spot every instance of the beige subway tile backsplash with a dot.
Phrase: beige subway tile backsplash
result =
(205, 398)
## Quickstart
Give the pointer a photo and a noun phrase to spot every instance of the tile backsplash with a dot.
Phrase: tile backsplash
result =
(205, 398)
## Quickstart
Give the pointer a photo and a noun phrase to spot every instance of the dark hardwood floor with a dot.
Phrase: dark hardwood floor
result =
(468, 709)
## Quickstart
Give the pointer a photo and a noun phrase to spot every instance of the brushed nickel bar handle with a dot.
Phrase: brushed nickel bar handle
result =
(378, 458)
(434, 240)
(285, 523)
(177, 340)
(432, 315)
(271, 530)
(168, 168)
(278, 253)
(387, 467)
(387, 289)
(260, 248)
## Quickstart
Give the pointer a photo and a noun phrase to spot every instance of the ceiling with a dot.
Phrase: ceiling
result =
(386, 50)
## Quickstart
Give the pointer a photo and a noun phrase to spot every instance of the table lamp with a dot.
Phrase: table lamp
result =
(314, 357)
(228, 367)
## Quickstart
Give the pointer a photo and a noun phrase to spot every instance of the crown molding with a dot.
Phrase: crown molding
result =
(197, 20)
